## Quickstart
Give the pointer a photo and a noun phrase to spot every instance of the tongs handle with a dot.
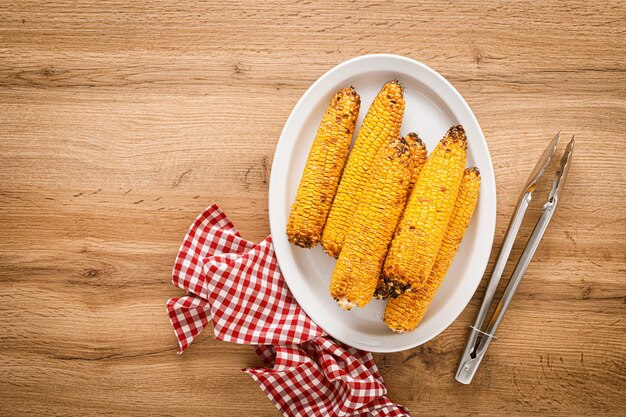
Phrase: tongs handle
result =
(473, 353)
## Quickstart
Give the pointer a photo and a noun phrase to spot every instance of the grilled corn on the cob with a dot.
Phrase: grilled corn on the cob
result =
(356, 273)
(404, 313)
(419, 158)
(380, 126)
(323, 169)
(424, 221)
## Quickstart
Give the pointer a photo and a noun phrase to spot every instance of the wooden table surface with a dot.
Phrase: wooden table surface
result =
(120, 122)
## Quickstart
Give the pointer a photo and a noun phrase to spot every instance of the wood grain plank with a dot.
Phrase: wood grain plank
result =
(119, 122)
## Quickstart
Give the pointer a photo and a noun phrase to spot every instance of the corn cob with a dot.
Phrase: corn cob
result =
(404, 313)
(323, 169)
(419, 155)
(356, 273)
(380, 126)
(424, 221)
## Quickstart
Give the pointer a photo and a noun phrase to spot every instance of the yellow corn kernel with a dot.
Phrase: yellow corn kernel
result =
(404, 313)
(322, 171)
(356, 273)
(424, 221)
(380, 126)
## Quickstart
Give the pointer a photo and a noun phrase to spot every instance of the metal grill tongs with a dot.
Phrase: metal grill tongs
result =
(480, 337)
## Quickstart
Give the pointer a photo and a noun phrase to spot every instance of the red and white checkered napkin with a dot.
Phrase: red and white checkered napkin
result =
(238, 285)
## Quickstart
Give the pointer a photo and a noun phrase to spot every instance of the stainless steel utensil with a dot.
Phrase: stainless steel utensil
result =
(480, 338)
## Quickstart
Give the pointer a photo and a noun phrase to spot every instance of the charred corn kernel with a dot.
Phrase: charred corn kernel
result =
(322, 170)
(404, 313)
(419, 154)
(380, 126)
(424, 221)
(356, 273)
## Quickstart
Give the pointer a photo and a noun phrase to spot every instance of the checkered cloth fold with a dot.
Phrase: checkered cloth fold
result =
(239, 287)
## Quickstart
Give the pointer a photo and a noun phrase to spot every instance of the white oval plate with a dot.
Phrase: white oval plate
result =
(432, 106)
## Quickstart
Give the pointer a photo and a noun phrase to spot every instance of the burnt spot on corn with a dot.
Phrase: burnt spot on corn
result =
(456, 134)
(415, 137)
(387, 289)
(383, 290)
